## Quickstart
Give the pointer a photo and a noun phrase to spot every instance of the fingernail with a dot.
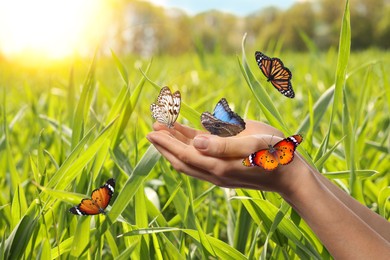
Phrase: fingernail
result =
(201, 142)
(150, 138)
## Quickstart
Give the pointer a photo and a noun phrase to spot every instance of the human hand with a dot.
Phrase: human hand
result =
(219, 160)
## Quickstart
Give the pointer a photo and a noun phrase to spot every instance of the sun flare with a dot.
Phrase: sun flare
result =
(47, 28)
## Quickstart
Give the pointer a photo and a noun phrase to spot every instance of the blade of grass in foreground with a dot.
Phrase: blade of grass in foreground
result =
(125, 103)
(263, 212)
(264, 101)
(78, 159)
(222, 250)
(136, 179)
(83, 105)
(17, 241)
(81, 240)
(341, 71)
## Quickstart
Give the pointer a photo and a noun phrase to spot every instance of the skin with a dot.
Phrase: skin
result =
(348, 229)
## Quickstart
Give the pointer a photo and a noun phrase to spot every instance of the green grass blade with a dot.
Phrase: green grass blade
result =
(83, 105)
(62, 248)
(17, 241)
(279, 217)
(341, 68)
(136, 179)
(263, 213)
(222, 250)
(361, 174)
(19, 206)
(264, 101)
(124, 106)
(383, 202)
(320, 162)
(319, 109)
(79, 159)
(81, 238)
(121, 68)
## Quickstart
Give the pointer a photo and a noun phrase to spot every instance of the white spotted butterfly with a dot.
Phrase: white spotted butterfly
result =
(167, 108)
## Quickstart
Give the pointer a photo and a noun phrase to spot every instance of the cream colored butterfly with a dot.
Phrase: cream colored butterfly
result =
(167, 108)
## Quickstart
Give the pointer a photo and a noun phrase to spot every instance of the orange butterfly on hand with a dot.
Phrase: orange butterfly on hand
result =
(99, 201)
(270, 158)
(276, 73)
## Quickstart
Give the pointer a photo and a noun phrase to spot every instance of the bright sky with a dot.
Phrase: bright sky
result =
(54, 29)
(47, 28)
(238, 7)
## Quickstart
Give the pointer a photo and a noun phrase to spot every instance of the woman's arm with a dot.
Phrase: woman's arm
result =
(338, 220)
(346, 228)
(375, 221)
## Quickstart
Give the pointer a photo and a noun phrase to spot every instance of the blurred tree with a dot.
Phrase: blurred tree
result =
(365, 16)
(263, 26)
(382, 29)
(329, 15)
(217, 31)
(299, 17)
(142, 28)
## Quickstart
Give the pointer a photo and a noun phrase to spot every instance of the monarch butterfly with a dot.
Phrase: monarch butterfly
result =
(276, 73)
(270, 158)
(167, 108)
(99, 201)
(223, 122)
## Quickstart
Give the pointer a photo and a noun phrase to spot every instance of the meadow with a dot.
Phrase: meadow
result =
(66, 128)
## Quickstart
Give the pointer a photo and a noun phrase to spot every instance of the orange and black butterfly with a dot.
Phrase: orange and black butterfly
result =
(99, 201)
(276, 73)
(270, 158)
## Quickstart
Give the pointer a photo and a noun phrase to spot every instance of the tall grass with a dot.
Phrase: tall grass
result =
(65, 131)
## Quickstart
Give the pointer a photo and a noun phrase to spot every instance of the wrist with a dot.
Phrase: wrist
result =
(301, 181)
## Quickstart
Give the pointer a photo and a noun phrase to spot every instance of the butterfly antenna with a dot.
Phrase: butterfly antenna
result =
(270, 142)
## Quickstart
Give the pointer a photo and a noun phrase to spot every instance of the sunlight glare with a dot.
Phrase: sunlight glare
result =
(51, 28)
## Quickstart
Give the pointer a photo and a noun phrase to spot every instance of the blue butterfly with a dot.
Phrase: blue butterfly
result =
(223, 122)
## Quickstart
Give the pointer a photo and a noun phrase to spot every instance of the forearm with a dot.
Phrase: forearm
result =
(375, 221)
(345, 235)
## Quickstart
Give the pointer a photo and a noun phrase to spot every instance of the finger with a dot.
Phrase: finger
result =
(223, 181)
(187, 154)
(186, 131)
(181, 166)
(232, 147)
(256, 127)
(183, 133)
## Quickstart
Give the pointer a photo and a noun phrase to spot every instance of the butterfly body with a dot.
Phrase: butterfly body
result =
(223, 122)
(276, 73)
(99, 201)
(167, 108)
(280, 153)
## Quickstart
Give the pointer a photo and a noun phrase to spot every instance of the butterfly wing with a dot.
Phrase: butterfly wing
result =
(285, 149)
(100, 199)
(265, 159)
(223, 112)
(223, 122)
(275, 72)
(264, 62)
(281, 78)
(86, 207)
(167, 108)
(248, 161)
(219, 127)
(270, 158)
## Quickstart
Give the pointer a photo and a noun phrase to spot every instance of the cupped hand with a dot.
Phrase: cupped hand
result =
(219, 159)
